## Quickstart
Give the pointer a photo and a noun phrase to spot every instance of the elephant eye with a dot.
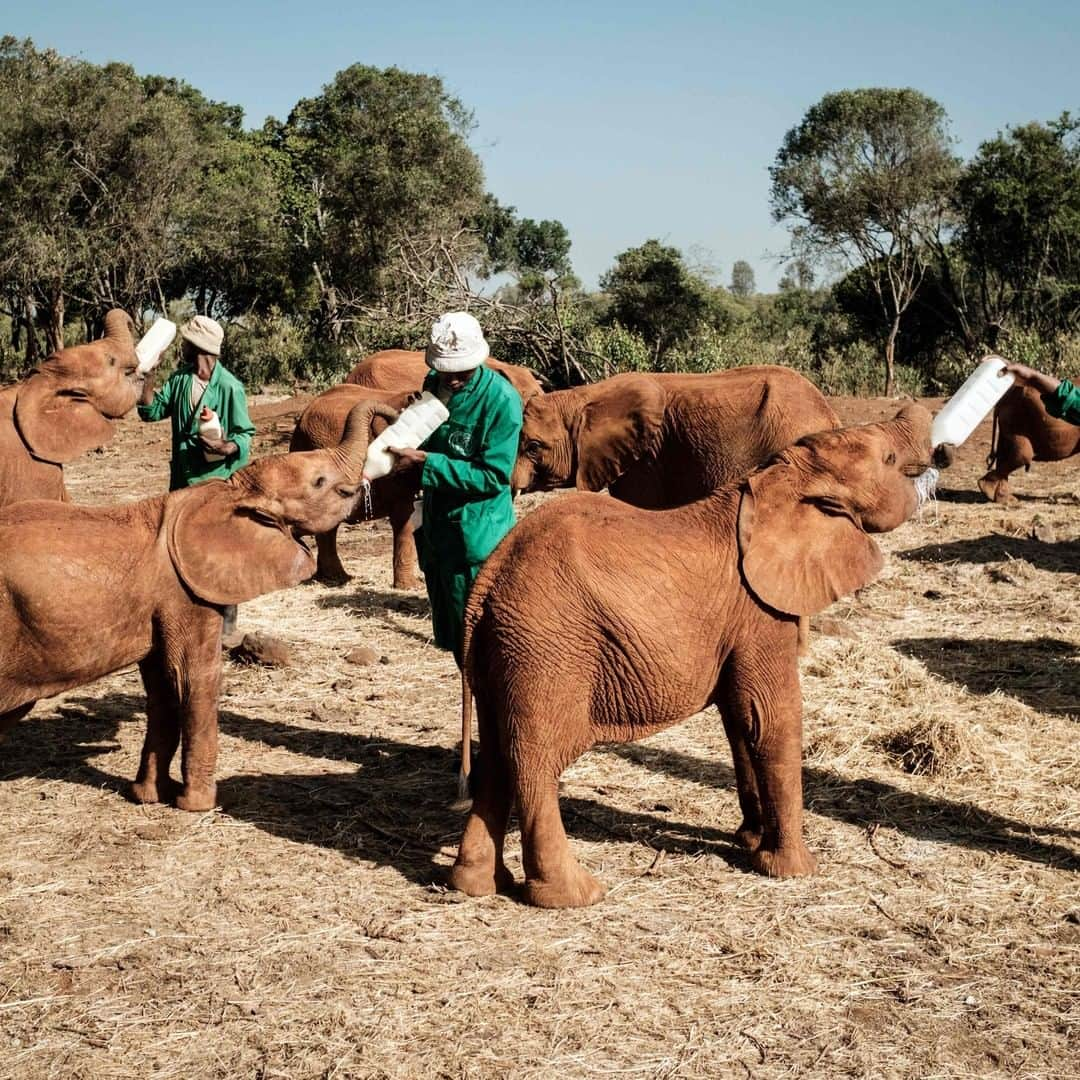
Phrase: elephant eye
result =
(533, 448)
(320, 481)
(890, 458)
(112, 361)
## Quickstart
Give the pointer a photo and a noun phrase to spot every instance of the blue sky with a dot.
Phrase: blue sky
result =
(623, 120)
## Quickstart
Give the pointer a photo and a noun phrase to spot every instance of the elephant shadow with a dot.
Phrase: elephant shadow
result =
(1063, 556)
(380, 606)
(1043, 673)
(865, 802)
(393, 809)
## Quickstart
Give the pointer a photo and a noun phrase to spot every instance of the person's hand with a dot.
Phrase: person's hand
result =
(406, 458)
(1027, 376)
(225, 447)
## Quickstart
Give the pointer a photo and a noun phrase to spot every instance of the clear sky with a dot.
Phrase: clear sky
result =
(627, 120)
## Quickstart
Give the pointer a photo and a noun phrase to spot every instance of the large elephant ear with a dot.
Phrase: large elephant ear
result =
(58, 425)
(799, 556)
(224, 547)
(622, 423)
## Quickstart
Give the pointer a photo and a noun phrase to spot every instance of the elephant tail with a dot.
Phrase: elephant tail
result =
(464, 794)
(991, 458)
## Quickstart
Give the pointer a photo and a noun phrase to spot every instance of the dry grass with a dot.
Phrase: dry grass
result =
(300, 930)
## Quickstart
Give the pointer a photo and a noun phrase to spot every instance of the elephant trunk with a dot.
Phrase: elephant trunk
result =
(353, 448)
(119, 329)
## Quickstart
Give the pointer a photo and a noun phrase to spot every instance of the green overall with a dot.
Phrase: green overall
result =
(225, 395)
(468, 508)
(1064, 402)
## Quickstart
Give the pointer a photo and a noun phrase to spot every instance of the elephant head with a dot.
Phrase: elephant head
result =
(235, 539)
(804, 517)
(61, 410)
(588, 437)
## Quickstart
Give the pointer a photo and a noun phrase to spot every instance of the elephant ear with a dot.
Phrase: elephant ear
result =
(799, 555)
(226, 548)
(58, 425)
(621, 424)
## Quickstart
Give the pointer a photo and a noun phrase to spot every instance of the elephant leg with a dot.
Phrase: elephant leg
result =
(405, 568)
(553, 877)
(329, 569)
(765, 702)
(9, 719)
(1013, 452)
(749, 831)
(153, 783)
(479, 869)
(200, 673)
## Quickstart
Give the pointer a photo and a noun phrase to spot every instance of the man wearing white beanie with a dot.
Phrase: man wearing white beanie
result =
(466, 465)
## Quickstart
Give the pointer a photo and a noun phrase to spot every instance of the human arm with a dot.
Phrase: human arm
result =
(1027, 376)
(155, 405)
(489, 470)
(236, 427)
(1060, 396)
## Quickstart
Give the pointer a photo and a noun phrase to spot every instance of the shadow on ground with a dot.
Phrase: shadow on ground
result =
(1043, 672)
(1063, 556)
(392, 810)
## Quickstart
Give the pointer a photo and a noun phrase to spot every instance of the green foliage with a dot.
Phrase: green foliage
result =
(866, 177)
(742, 279)
(653, 294)
(1019, 238)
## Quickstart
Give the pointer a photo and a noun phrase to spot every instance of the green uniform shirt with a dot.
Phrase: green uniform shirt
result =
(468, 508)
(225, 395)
(1064, 402)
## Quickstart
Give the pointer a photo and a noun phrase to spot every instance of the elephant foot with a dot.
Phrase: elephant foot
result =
(996, 490)
(408, 584)
(748, 835)
(197, 800)
(160, 791)
(333, 575)
(480, 880)
(792, 860)
(575, 887)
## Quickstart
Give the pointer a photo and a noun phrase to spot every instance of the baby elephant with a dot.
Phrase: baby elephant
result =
(595, 621)
(86, 591)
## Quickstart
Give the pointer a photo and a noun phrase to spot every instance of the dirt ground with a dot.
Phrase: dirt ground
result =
(301, 930)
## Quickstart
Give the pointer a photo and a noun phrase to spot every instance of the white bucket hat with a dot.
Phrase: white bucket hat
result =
(457, 343)
(205, 334)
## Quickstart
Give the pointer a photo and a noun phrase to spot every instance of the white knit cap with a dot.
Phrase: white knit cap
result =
(205, 334)
(457, 343)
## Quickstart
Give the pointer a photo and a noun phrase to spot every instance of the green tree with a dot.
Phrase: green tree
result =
(654, 294)
(383, 184)
(742, 279)
(1018, 242)
(866, 177)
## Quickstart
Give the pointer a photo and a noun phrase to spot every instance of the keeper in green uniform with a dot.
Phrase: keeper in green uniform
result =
(1061, 398)
(201, 381)
(466, 465)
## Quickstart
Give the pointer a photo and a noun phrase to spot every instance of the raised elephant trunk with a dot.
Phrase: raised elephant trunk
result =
(119, 329)
(352, 450)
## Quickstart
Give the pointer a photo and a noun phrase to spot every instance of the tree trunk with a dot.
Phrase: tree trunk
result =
(54, 325)
(890, 358)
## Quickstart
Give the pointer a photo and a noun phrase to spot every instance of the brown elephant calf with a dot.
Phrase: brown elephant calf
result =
(595, 621)
(63, 410)
(1024, 432)
(86, 591)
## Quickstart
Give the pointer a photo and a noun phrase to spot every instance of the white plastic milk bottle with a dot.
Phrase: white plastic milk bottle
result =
(153, 343)
(210, 428)
(413, 425)
(965, 410)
